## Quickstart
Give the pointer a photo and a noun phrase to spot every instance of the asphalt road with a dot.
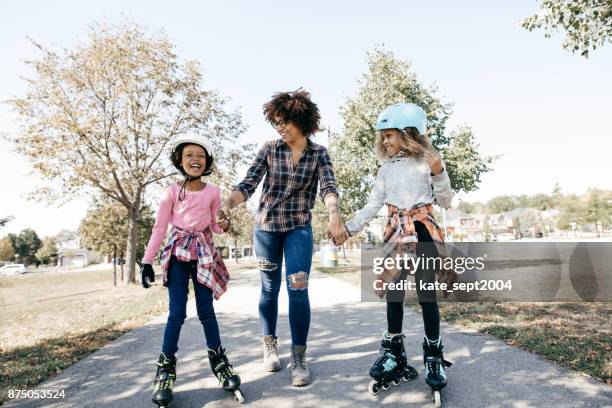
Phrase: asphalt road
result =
(343, 343)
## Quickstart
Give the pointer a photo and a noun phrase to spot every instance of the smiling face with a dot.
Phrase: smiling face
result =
(193, 160)
(288, 131)
(391, 140)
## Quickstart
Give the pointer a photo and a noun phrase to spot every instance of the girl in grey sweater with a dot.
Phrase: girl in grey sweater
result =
(411, 179)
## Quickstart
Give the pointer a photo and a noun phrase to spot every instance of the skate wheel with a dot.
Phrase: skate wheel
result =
(437, 399)
(386, 386)
(410, 375)
(239, 397)
(397, 381)
(374, 387)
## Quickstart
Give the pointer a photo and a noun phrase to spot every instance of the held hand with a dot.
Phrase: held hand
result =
(336, 230)
(147, 275)
(225, 225)
(223, 219)
(337, 241)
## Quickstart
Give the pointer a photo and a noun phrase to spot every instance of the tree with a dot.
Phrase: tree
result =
(467, 207)
(7, 252)
(26, 245)
(106, 224)
(463, 162)
(598, 211)
(390, 80)
(4, 221)
(99, 118)
(527, 220)
(320, 219)
(541, 201)
(502, 204)
(487, 229)
(46, 251)
(587, 23)
(241, 227)
(572, 211)
(13, 239)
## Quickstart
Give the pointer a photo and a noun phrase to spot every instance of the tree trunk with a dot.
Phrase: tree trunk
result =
(114, 265)
(132, 242)
(122, 264)
(236, 249)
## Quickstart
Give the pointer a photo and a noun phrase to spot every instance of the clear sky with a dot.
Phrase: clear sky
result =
(544, 110)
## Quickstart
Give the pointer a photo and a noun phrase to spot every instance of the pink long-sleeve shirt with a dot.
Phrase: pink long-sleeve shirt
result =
(196, 212)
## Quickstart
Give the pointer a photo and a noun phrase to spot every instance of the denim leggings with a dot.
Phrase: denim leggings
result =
(296, 247)
(178, 286)
(429, 306)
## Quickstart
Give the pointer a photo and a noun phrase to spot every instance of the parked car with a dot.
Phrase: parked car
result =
(13, 269)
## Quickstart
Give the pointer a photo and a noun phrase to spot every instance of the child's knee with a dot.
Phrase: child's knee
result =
(206, 313)
(177, 316)
(298, 281)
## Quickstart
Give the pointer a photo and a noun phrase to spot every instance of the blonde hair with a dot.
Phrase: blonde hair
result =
(408, 133)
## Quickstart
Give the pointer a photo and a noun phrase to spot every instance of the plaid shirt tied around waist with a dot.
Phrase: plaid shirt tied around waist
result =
(400, 236)
(211, 270)
(399, 227)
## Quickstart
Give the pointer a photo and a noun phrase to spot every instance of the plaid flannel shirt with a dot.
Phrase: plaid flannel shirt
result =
(400, 236)
(211, 272)
(400, 233)
(289, 192)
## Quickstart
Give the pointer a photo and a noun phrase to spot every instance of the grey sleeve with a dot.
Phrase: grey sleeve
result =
(376, 200)
(442, 191)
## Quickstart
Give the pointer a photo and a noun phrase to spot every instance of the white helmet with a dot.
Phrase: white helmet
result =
(196, 140)
(193, 139)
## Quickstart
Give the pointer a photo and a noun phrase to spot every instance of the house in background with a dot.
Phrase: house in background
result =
(478, 227)
(461, 226)
(71, 252)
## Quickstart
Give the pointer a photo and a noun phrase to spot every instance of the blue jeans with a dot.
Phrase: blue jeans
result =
(178, 286)
(296, 246)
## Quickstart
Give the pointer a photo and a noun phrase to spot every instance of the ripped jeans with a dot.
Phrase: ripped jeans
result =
(296, 246)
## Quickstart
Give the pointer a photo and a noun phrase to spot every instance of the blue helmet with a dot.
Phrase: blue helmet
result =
(401, 116)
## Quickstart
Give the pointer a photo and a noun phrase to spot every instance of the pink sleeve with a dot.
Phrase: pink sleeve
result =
(161, 226)
(216, 204)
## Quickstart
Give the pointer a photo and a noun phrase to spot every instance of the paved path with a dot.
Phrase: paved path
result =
(343, 343)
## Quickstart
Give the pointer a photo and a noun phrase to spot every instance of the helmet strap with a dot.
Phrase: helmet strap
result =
(183, 191)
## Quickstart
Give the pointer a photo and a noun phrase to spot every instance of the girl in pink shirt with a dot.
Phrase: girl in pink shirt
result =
(190, 207)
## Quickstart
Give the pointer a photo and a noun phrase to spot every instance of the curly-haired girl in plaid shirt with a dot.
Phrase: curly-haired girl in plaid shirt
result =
(190, 207)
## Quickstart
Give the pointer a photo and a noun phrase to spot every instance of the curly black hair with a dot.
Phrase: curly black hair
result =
(176, 157)
(294, 107)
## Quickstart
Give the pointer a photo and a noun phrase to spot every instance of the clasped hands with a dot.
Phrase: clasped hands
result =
(336, 230)
(223, 219)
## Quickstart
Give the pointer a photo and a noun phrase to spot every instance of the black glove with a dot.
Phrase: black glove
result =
(147, 275)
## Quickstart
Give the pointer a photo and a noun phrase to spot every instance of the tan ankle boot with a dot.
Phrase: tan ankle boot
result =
(270, 354)
(300, 374)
